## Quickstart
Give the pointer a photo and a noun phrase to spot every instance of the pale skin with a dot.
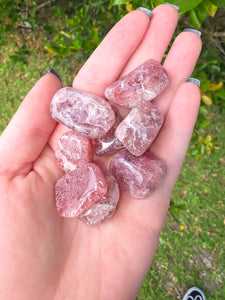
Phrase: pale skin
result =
(44, 256)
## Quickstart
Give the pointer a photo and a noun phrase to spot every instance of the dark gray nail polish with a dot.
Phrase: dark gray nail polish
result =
(194, 31)
(147, 11)
(175, 6)
(53, 72)
(194, 80)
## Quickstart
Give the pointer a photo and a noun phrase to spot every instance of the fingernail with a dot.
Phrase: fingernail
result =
(194, 80)
(147, 11)
(53, 72)
(194, 30)
(175, 6)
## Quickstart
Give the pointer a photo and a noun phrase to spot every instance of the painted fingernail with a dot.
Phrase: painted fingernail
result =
(194, 80)
(53, 72)
(147, 11)
(194, 30)
(175, 6)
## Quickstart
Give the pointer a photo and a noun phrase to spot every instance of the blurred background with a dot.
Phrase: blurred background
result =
(38, 35)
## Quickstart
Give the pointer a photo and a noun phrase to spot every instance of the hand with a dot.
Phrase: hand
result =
(44, 256)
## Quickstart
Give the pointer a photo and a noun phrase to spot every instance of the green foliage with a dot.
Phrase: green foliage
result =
(61, 30)
(176, 209)
(59, 35)
(182, 4)
(204, 10)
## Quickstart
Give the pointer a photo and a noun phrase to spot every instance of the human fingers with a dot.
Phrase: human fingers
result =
(179, 104)
(170, 146)
(172, 143)
(29, 130)
(108, 60)
(157, 37)
(110, 57)
(179, 64)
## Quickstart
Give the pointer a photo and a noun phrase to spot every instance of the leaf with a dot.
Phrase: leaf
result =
(129, 7)
(49, 50)
(116, 2)
(218, 3)
(207, 100)
(162, 240)
(200, 139)
(204, 123)
(215, 86)
(208, 150)
(202, 150)
(210, 8)
(184, 5)
(201, 12)
(220, 93)
(208, 137)
(194, 19)
(213, 69)
(205, 85)
(66, 34)
(203, 110)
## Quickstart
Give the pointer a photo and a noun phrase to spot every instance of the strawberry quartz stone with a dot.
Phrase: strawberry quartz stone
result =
(72, 149)
(103, 209)
(84, 191)
(139, 129)
(142, 84)
(88, 114)
(109, 143)
(78, 189)
(139, 176)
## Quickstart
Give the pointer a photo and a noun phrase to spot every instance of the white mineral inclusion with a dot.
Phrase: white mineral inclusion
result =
(139, 129)
(78, 189)
(142, 84)
(88, 114)
(103, 209)
(72, 149)
(139, 176)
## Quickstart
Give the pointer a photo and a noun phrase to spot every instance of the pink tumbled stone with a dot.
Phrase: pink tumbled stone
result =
(77, 190)
(109, 143)
(139, 176)
(73, 148)
(142, 84)
(103, 209)
(88, 114)
(139, 129)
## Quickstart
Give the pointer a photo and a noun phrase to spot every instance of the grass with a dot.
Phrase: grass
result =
(16, 79)
(191, 248)
(191, 251)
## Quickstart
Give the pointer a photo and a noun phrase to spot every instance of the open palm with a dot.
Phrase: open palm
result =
(44, 256)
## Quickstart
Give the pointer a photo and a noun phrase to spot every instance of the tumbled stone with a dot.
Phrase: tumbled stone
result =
(139, 129)
(109, 143)
(72, 149)
(142, 84)
(88, 114)
(103, 209)
(77, 190)
(139, 176)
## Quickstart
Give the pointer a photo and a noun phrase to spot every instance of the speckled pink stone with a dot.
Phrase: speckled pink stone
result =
(142, 84)
(77, 190)
(139, 176)
(103, 209)
(72, 149)
(88, 114)
(109, 143)
(139, 129)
